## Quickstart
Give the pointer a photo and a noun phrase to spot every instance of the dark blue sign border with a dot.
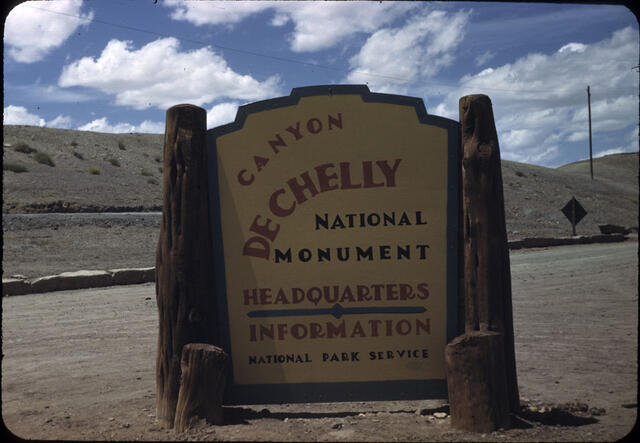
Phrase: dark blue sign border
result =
(236, 394)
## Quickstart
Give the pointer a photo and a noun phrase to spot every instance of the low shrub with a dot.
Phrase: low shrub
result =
(74, 143)
(121, 145)
(520, 174)
(44, 158)
(24, 148)
(114, 162)
(158, 158)
(78, 155)
(93, 170)
(153, 181)
(146, 172)
(14, 167)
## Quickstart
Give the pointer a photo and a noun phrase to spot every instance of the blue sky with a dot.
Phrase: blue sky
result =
(118, 65)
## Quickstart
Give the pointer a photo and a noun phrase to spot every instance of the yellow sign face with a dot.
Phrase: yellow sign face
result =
(337, 246)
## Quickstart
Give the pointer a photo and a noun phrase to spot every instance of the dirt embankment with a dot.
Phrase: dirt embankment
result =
(87, 171)
(95, 172)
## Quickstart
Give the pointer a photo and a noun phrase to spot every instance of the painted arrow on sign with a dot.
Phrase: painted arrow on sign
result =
(338, 311)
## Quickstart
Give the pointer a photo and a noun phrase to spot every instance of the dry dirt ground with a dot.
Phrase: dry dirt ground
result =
(79, 365)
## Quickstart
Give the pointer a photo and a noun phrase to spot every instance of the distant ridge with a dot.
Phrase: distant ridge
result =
(98, 171)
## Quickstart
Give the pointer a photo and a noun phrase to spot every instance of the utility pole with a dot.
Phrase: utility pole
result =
(590, 145)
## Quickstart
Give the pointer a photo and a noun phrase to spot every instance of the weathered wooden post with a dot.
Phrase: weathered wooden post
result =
(480, 364)
(201, 386)
(185, 286)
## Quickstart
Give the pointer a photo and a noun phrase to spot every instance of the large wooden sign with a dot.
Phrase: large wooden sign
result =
(334, 217)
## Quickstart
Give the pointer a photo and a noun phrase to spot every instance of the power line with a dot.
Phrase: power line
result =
(291, 60)
(226, 48)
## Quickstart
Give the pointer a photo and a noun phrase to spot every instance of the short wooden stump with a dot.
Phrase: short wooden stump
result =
(202, 385)
(477, 383)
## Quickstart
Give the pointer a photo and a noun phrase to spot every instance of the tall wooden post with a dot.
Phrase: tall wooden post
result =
(185, 287)
(590, 144)
(480, 364)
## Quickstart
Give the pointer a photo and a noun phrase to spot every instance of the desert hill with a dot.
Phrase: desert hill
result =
(89, 171)
(69, 170)
(619, 170)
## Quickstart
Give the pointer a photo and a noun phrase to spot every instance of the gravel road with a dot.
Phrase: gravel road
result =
(79, 365)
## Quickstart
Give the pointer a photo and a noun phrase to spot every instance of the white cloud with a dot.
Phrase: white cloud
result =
(159, 74)
(485, 58)
(393, 58)
(103, 125)
(618, 150)
(215, 13)
(33, 29)
(18, 115)
(540, 100)
(607, 113)
(547, 154)
(149, 127)
(321, 25)
(61, 121)
(578, 136)
(221, 114)
(573, 47)
(317, 25)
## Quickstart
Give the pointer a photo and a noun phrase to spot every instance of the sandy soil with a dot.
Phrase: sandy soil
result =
(79, 365)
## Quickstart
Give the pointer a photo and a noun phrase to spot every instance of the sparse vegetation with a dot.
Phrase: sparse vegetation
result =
(121, 145)
(520, 174)
(14, 167)
(153, 181)
(145, 155)
(114, 162)
(24, 148)
(93, 170)
(76, 154)
(160, 169)
(146, 172)
(74, 143)
(44, 158)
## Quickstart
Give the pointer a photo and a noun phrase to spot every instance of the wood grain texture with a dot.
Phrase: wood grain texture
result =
(202, 385)
(185, 286)
(485, 291)
(476, 382)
